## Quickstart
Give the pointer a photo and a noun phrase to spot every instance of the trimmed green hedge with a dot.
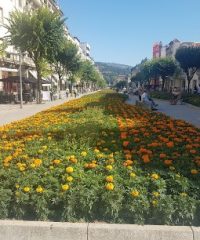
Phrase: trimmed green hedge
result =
(160, 95)
(187, 97)
(192, 99)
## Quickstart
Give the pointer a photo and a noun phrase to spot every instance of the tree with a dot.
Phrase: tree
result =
(40, 33)
(164, 67)
(121, 84)
(159, 67)
(87, 72)
(66, 61)
(148, 71)
(189, 60)
(3, 46)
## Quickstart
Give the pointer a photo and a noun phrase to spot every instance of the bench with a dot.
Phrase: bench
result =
(143, 105)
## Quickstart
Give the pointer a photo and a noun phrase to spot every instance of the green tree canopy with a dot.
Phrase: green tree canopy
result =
(40, 33)
(164, 67)
(189, 60)
(66, 60)
(159, 67)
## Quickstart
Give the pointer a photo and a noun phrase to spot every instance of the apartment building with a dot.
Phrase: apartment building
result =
(10, 59)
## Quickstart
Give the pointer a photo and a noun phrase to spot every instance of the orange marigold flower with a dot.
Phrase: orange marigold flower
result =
(168, 162)
(125, 143)
(163, 155)
(123, 135)
(146, 158)
(194, 171)
(193, 151)
(37, 162)
(170, 144)
(109, 178)
(128, 163)
(109, 186)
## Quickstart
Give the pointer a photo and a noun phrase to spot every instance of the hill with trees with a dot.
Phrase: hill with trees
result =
(113, 72)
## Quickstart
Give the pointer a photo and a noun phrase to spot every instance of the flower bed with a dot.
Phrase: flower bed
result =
(98, 159)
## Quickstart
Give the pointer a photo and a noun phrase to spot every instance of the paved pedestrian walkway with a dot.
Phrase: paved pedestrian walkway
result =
(186, 112)
(13, 112)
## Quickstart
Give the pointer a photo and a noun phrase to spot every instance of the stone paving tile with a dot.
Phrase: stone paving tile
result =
(186, 112)
(13, 112)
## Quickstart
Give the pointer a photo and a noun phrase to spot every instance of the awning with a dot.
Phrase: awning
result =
(8, 69)
(34, 75)
(16, 79)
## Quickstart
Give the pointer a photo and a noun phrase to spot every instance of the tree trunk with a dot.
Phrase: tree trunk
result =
(163, 83)
(39, 85)
(59, 85)
(189, 78)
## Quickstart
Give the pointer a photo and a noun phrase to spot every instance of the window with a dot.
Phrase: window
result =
(1, 15)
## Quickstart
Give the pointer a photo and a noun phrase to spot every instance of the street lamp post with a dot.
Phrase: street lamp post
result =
(20, 79)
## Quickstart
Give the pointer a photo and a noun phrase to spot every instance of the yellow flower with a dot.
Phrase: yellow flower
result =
(109, 178)
(37, 162)
(26, 189)
(111, 155)
(21, 168)
(6, 164)
(69, 179)
(110, 186)
(56, 161)
(17, 194)
(65, 187)
(17, 185)
(154, 203)
(109, 167)
(39, 189)
(69, 169)
(40, 151)
(194, 171)
(129, 167)
(33, 165)
(133, 175)
(183, 194)
(96, 150)
(84, 154)
(44, 147)
(154, 176)
(135, 193)
(156, 194)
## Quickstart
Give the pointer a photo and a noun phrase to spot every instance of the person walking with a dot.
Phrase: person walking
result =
(67, 92)
(176, 95)
(75, 92)
(140, 92)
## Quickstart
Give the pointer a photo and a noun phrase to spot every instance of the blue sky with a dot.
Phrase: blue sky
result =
(123, 31)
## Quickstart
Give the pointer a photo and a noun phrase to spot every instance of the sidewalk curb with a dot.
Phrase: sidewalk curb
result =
(25, 230)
